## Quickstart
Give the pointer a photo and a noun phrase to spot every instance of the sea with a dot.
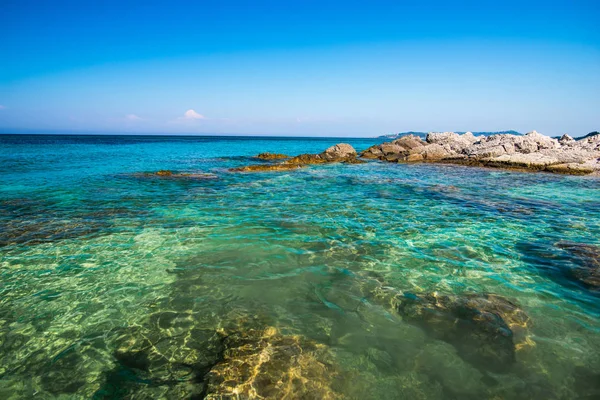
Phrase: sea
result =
(411, 281)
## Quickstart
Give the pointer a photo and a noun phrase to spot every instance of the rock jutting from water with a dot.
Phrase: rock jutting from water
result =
(340, 153)
(271, 156)
(532, 151)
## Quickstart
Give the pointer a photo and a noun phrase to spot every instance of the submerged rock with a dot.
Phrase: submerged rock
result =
(588, 256)
(485, 329)
(480, 326)
(568, 263)
(268, 365)
(271, 156)
(240, 362)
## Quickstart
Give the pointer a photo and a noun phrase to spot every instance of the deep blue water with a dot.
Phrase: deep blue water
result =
(93, 252)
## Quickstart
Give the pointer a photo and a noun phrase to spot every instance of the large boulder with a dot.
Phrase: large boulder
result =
(434, 152)
(373, 152)
(409, 142)
(341, 151)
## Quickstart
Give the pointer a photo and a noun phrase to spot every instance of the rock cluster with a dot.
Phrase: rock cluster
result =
(532, 151)
(341, 152)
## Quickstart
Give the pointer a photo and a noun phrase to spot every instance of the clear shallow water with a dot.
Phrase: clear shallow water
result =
(94, 256)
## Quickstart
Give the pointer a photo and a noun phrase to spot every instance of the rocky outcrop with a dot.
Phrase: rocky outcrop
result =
(532, 151)
(398, 150)
(341, 152)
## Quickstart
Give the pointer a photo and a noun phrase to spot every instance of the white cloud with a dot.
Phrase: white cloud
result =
(132, 117)
(191, 114)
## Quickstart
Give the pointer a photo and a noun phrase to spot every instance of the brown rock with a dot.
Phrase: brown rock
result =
(271, 156)
(340, 151)
(304, 159)
(409, 142)
(372, 152)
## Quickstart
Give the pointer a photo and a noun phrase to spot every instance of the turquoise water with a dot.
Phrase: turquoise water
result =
(95, 255)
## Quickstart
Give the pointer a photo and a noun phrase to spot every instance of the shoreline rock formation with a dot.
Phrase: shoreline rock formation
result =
(532, 151)
(339, 153)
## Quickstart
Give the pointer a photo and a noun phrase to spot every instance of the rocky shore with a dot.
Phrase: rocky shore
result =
(533, 152)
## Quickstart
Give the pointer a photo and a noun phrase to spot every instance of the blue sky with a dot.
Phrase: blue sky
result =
(316, 68)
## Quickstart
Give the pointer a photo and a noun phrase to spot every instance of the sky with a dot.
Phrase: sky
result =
(299, 68)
